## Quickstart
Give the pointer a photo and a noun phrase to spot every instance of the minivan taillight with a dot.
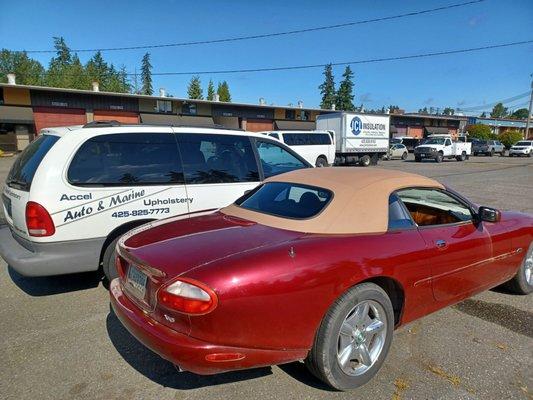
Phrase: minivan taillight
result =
(38, 221)
(188, 296)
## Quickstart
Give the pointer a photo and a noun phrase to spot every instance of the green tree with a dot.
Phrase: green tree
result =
(327, 88)
(27, 70)
(344, 97)
(194, 90)
(448, 111)
(499, 111)
(483, 114)
(59, 66)
(210, 90)
(393, 108)
(423, 110)
(521, 113)
(223, 92)
(146, 75)
(510, 137)
(479, 131)
(98, 70)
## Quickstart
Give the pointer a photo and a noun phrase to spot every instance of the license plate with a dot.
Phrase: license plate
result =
(7, 204)
(137, 280)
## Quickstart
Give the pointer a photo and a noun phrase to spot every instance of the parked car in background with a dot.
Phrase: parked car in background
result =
(439, 147)
(317, 265)
(74, 191)
(397, 150)
(522, 148)
(487, 147)
(316, 147)
(359, 138)
(409, 142)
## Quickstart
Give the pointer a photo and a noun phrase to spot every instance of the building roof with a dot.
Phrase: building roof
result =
(360, 200)
(141, 96)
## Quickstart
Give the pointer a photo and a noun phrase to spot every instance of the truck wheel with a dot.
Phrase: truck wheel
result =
(491, 154)
(364, 161)
(418, 158)
(404, 156)
(439, 157)
(462, 157)
(353, 339)
(321, 162)
(108, 261)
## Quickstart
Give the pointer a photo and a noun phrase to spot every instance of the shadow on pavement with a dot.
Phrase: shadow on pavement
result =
(51, 285)
(508, 317)
(163, 372)
(299, 371)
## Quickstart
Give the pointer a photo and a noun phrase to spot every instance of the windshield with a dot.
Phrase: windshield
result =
(287, 200)
(435, 141)
(523, 144)
(21, 174)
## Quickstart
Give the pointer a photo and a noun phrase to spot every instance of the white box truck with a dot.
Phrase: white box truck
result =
(360, 138)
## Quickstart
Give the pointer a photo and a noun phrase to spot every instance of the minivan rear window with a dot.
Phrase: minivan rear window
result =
(21, 174)
(127, 159)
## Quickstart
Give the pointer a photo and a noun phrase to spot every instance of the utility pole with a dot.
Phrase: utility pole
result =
(526, 133)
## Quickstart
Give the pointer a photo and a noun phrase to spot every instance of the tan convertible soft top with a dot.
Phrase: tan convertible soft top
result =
(360, 203)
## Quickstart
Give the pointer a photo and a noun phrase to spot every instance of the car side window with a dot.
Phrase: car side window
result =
(277, 160)
(433, 207)
(448, 142)
(274, 135)
(399, 217)
(211, 158)
(127, 159)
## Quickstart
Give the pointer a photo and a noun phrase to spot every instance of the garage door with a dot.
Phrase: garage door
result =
(120, 116)
(258, 125)
(47, 117)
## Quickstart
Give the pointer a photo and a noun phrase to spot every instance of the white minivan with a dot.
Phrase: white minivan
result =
(74, 191)
(317, 147)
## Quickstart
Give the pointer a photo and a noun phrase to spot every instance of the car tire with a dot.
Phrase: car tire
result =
(530, 154)
(522, 282)
(404, 156)
(321, 162)
(364, 161)
(356, 311)
(439, 157)
(108, 261)
(491, 154)
(418, 159)
(474, 154)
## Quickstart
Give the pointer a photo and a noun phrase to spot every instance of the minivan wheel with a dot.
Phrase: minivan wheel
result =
(364, 161)
(321, 162)
(522, 282)
(108, 261)
(354, 338)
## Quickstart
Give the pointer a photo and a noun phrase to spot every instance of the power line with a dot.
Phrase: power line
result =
(355, 62)
(269, 35)
(484, 106)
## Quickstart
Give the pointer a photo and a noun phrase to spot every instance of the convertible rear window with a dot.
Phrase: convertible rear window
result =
(287, 200)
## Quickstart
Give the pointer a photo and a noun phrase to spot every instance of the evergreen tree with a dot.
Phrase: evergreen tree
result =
(146, 75)
(98, 70)
(499, 111)
(27, 70)
(223, 92)
(327, 88)
(521, 113)
(194, 90)
(58, 69)
(210, 90)
(344, 98)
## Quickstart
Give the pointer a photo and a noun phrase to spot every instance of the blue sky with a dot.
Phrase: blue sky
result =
(456, 80)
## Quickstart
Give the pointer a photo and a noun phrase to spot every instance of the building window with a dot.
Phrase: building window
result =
(304, 115)
(290, 114)
(189, 109)
(164, 106)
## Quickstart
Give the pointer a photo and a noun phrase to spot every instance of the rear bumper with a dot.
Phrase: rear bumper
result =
(187, 352)
(43, 259)
(519, 152)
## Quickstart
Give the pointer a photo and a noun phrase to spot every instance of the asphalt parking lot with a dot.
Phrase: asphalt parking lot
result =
(59, 339)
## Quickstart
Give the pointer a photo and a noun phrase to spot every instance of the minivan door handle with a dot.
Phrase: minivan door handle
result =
(441, 244)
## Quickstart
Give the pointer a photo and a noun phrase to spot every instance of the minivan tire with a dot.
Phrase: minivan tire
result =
(321, 162)
(108, 260)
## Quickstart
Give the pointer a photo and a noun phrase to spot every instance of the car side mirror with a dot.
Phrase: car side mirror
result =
(489, 214)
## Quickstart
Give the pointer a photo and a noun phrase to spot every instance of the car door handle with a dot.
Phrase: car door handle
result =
(441, 244)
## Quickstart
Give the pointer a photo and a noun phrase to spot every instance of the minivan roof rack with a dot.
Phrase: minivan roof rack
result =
(102, 124)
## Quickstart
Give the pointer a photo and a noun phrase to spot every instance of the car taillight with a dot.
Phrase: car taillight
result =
(120, 264)
(188, 296)
(38, 221)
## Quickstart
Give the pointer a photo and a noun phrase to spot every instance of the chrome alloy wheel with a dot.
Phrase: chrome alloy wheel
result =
(361, 337)
(528, 266)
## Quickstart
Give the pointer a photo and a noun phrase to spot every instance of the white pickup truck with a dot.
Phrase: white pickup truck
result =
(439, 147)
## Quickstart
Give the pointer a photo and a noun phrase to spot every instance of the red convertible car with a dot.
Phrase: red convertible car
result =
(318, 265)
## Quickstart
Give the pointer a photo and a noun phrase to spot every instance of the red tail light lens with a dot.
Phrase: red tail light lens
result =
(38, 221)
(120, 264)
(188, 296)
